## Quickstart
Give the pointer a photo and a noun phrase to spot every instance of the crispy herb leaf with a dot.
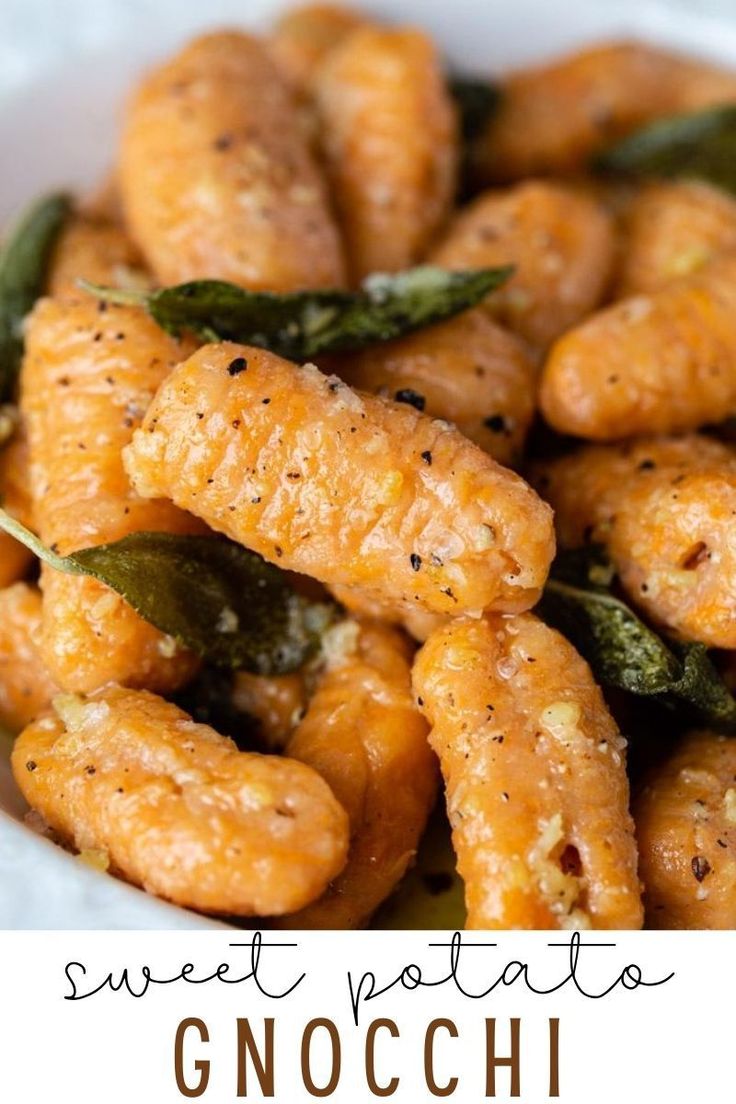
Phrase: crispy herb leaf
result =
(476, 99)
(218, 599)
(299, 325)
(22, 272)
(701, 145)
(432, 894)
(624, 652)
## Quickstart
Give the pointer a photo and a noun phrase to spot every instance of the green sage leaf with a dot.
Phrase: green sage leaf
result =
(222, 601)
(23, 261)
(700, 146)
(300, 325)
(623, 652)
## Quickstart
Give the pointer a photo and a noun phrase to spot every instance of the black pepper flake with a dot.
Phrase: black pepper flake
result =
(64, 381)
(223, 142)
(700, 867)
(721, 843)
(427, 457)
(90, 770)
(278, 550)
(496, 423)
(236, 423)
(235, 367)
(646, 465)
(411, 398)
(102, 306)
(31, 765)
(98, 336)
(120, 337)
(256, 500)
(449, 592)
(490, 708)
(200, 415)
(265, 401)
(120, 790)
(293, 475)
(333, 386)
(420, 702)
(415, 561)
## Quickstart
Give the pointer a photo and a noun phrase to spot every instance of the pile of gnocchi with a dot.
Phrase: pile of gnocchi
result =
(367, 464)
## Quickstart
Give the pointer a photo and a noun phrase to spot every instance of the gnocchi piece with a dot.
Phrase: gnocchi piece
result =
(658, 363)
(672, 229)
(25, 687)
(89, 372)
(561, 242)
(339, 486)
(178, 808)
(217, 177)
(366, 738)
(15, 497)
(468, 371)
(303, 37)
(686, 827)
(98, 251)
(276, 702)
(664, 509)
(534, 769)
(553, 118)
(390, 137)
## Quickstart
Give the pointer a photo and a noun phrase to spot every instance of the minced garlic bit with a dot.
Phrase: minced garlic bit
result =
(729, 804)
(8, 422)
(228, 621)
(167, 647)
(95, 858)
(340, 642)
(561, 718)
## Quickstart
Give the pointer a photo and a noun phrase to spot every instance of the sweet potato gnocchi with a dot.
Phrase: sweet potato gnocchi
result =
(367, 462)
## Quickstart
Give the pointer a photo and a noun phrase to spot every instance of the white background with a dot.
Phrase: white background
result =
(672, 1044)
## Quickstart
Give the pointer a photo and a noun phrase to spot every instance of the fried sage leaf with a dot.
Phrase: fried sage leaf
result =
(625, 653)
(700, 146)
(220, 600)
(299, 325)
(23, 260)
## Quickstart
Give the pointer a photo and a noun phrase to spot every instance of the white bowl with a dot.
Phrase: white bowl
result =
(65, 66)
